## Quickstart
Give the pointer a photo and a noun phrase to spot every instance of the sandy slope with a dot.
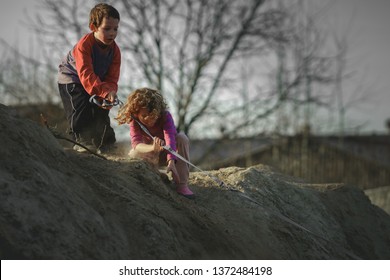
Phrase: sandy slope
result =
(57, 204)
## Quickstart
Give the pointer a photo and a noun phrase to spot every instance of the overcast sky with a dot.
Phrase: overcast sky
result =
(369, 56)
(370, 50)
(11, 14)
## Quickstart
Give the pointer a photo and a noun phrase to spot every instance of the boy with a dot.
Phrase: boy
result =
(92, 67)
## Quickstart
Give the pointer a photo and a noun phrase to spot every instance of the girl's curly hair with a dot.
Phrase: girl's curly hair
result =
(142, 98)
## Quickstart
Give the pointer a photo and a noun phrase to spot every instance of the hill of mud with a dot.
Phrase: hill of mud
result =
(58, 204)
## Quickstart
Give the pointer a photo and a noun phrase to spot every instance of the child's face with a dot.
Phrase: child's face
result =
(146, 118)
(107, 31)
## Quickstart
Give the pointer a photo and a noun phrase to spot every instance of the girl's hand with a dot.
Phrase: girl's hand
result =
(158, 144)
(172, 168)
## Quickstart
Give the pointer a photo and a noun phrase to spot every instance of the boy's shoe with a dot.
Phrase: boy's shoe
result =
(106, 149)
(80, 149)
(84, 139)
(185, 191)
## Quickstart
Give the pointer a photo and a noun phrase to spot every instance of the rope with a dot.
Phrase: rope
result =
(292, 222)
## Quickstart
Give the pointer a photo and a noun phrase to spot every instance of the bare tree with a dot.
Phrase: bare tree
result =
(24, 79)
(186, 48)
(358, 93)
(191, 50)
(59, 24)
(305, 66)
(31, 78)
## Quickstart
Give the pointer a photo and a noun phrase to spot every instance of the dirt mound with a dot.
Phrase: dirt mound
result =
(57, 204)
(380, 197)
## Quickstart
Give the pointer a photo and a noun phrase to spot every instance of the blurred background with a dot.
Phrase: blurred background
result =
(300, 85)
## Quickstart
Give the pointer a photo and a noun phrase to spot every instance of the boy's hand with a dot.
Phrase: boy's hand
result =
(111, 96)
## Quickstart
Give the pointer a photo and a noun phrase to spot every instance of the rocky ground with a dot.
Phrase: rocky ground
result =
(58, 204)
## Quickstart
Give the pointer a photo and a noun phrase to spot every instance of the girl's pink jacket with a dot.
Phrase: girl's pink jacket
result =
(164, 128)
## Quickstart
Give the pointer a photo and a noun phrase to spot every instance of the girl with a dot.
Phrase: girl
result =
(148, 107)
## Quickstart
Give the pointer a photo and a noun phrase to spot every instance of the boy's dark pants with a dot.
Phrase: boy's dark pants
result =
(88, 122)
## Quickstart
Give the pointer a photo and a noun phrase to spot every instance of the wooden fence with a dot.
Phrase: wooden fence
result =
(316, 161)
